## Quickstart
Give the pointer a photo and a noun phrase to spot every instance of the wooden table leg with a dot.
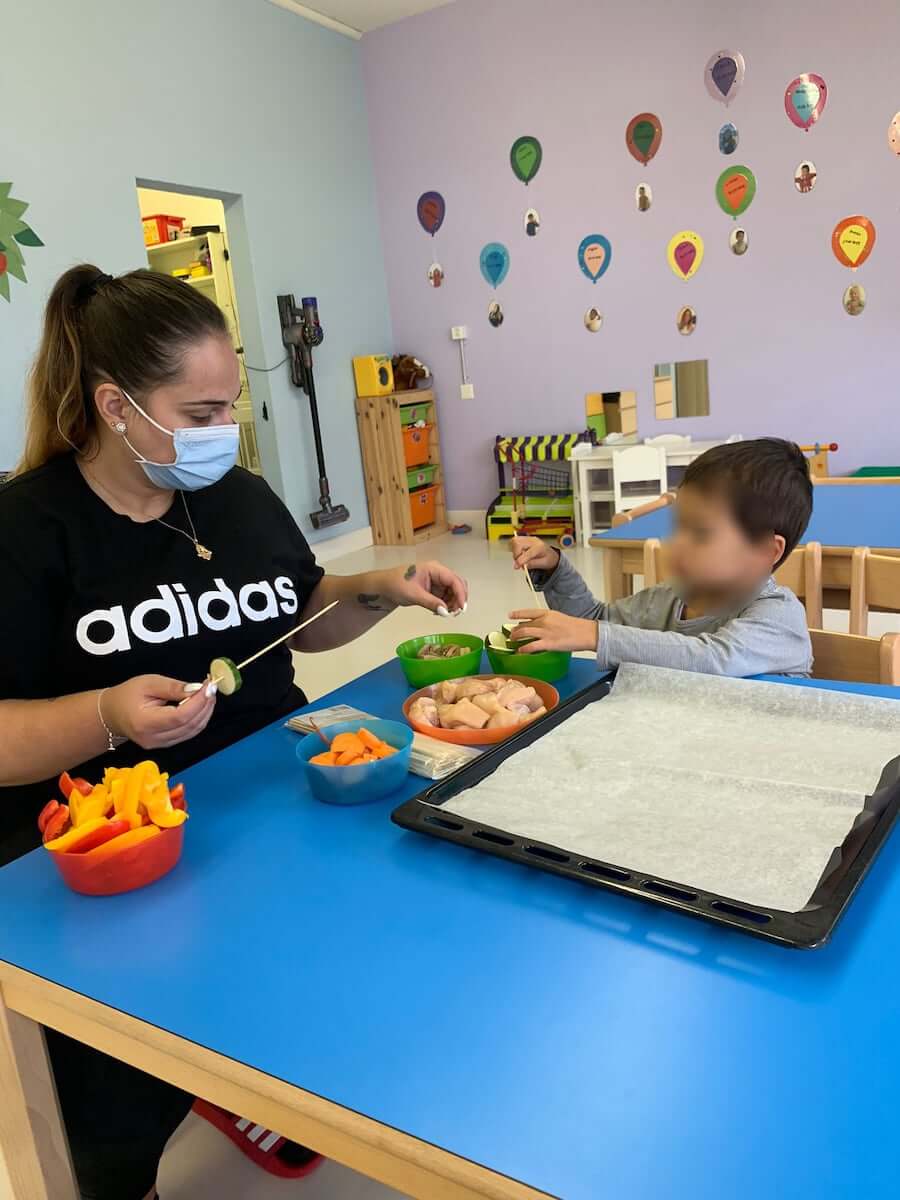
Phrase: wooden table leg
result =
(614, 583)
(34, 1153)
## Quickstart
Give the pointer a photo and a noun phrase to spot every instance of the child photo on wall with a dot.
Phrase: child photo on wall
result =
(495, 314)
(532, 222)
(805, 177)
(738, 241)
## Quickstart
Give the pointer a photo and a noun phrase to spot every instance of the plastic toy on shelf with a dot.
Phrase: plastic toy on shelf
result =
(818, 458)
(538, 498)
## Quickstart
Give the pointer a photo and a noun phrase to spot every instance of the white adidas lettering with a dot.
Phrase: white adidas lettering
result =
(110, 630)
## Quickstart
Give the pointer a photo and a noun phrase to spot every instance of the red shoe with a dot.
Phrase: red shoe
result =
(267, 1149)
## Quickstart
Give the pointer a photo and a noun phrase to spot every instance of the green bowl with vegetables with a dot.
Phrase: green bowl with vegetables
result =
(440, 662)
(506, 659)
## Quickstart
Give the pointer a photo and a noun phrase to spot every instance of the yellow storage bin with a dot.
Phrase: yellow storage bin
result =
(374, 375)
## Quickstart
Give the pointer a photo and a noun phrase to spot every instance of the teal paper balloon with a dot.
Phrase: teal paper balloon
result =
(525, 158)
(494, 263)
(594, 256)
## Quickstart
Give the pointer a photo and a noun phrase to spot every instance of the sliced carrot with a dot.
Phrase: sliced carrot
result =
(347, 741)
(346, 758)
(369, 740)
(326, 759)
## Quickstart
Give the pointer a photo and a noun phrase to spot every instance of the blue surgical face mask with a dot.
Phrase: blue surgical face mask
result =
(202, 456)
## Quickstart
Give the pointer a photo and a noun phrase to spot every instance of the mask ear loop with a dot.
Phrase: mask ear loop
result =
(140, 458)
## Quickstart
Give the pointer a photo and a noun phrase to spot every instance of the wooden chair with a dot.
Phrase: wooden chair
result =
(856, 659)
(802, 573)
(874, 583)
(638, 472)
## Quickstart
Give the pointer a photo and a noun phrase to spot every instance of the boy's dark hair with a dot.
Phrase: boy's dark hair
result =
(766, 482)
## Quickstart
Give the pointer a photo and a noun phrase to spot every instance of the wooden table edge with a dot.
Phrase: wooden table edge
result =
(378, 1151)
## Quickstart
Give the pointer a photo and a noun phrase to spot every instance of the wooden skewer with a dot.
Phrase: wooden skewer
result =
(538, 596)
(316, 729)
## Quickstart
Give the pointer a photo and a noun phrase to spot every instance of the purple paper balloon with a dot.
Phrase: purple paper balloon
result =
(724, 75)
(685, 253)
(430, 210)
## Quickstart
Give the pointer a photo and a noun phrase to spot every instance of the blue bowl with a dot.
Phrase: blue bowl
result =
(358, 785)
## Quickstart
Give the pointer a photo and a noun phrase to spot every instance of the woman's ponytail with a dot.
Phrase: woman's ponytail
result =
(132, 330)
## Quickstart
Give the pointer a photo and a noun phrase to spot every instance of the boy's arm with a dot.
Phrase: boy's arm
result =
(566, 591)
(769, 637)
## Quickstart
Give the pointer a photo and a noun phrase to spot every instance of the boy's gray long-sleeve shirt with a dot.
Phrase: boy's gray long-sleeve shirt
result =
(765, 635)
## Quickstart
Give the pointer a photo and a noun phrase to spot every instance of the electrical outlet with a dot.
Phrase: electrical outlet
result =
(459, 333)
(467, 391)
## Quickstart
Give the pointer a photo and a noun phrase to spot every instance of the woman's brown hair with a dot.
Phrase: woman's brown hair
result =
(132, 330)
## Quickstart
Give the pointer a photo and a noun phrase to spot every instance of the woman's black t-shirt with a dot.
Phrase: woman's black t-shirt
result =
(89, 598)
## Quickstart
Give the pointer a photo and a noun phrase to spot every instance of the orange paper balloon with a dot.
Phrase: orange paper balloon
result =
(852, 241)
(735, 189)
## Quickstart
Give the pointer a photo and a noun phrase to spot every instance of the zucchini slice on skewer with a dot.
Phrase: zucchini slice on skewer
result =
(225, 675)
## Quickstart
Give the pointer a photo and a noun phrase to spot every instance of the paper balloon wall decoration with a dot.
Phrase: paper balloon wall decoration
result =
(724, 74)
(728, 139)
(894, 133)
(494, 263)
(594, 256)
(431, 209)
(685, 253)
(735, 189)
(852, 241)
(804, 100)
(525, 158)
(643, 136)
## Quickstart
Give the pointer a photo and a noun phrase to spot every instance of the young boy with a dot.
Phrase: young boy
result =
(741, 510)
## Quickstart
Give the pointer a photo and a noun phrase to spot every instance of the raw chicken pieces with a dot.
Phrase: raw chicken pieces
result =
(477, 703)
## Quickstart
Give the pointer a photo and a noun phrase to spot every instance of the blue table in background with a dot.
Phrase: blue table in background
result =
(453, 1024)
(844, 516)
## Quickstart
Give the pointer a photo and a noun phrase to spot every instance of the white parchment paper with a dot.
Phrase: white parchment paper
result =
(732, 786)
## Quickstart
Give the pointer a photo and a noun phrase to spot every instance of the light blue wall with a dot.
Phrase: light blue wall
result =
(227, 96)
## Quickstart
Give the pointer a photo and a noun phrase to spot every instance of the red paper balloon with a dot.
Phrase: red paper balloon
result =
(852, 241)
(643, 136)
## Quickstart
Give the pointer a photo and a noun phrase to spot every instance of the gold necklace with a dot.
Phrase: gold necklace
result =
(201, 550)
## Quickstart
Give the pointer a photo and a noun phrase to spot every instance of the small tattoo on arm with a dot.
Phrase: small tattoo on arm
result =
(410, 571)
(372, 601)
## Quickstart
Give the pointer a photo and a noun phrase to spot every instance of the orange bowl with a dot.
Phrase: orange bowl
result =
(480, 737)
(131, 868)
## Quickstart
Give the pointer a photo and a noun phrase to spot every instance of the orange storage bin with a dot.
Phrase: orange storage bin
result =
(160, 228)
(422, 504)
(415, 444)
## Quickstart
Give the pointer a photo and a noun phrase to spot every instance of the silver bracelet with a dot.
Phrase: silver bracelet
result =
(113, 740)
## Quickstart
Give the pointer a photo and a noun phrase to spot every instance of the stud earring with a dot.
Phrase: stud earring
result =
(120, 427)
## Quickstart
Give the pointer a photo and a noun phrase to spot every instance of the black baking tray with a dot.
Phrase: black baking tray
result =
(809, 928)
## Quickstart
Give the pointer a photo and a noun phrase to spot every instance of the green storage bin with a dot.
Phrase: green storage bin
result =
(411, 413)
(417, 477)
(876, 472)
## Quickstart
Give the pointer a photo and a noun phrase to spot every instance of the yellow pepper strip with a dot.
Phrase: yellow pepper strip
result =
(167, 818)
(75, 834)
(98, 804)
(125, 840)
(158, 805)
(135, 778)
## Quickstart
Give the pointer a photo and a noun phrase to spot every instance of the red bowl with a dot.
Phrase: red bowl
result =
(132, 868)
(480, 737)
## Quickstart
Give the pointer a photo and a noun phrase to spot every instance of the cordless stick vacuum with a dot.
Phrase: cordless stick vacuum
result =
(300, 331)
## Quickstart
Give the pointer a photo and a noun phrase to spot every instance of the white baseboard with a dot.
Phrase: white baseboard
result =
(344, 543)
(468, 516)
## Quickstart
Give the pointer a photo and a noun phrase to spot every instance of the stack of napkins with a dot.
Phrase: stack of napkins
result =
(432, 759)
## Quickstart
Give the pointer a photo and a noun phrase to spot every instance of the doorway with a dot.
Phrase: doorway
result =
(185, 235)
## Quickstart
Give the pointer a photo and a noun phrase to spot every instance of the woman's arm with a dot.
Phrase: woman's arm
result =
(367, 599)
(43, 738)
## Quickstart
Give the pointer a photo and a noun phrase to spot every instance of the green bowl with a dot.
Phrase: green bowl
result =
(548, 665)
(420, 672)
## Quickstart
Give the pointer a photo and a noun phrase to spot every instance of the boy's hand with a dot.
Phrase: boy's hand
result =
(554, 631)
(534, 554)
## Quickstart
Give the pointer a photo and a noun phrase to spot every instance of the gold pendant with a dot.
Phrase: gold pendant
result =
(202, 552)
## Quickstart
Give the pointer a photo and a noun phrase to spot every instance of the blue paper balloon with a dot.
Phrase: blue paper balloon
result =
(494, 263)
(594, 256)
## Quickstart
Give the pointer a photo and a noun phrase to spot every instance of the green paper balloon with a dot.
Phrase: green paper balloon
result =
(525, 158)
(735, 189)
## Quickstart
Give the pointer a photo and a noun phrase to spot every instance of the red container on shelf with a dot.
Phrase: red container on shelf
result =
(125, 871)
(422, 504)
(415, 444)
(161, 227)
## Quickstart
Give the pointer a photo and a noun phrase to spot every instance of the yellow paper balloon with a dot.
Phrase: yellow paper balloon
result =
(685, 253)
(853, 241)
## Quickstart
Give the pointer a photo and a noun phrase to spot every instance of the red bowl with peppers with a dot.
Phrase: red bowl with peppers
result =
(112, 855)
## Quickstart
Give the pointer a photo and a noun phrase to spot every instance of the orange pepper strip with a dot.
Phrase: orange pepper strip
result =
(124, 841)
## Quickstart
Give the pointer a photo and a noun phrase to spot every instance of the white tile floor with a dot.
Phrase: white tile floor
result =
(200, 1163)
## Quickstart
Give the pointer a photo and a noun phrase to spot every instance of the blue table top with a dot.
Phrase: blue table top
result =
(584, 1043)
(843, 515)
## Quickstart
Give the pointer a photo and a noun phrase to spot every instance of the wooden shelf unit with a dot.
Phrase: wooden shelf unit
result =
(387, 490)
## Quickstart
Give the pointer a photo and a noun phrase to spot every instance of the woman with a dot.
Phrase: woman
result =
(132, 553)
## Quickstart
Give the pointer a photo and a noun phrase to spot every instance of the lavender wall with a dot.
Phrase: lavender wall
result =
(448, 93)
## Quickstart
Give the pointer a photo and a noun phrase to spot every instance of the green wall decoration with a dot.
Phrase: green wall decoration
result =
(14, 233)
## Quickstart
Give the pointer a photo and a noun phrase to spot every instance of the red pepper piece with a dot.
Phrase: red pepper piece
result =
(176, 797)
(97, 837)
(46, 813)
(67, 785)
(57, 823)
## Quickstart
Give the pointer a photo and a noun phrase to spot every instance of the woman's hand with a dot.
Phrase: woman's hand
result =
(431, 585)
(148, 711)
(553, 630)
(534, 554)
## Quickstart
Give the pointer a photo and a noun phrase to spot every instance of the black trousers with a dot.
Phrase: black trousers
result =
(118, 1119)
